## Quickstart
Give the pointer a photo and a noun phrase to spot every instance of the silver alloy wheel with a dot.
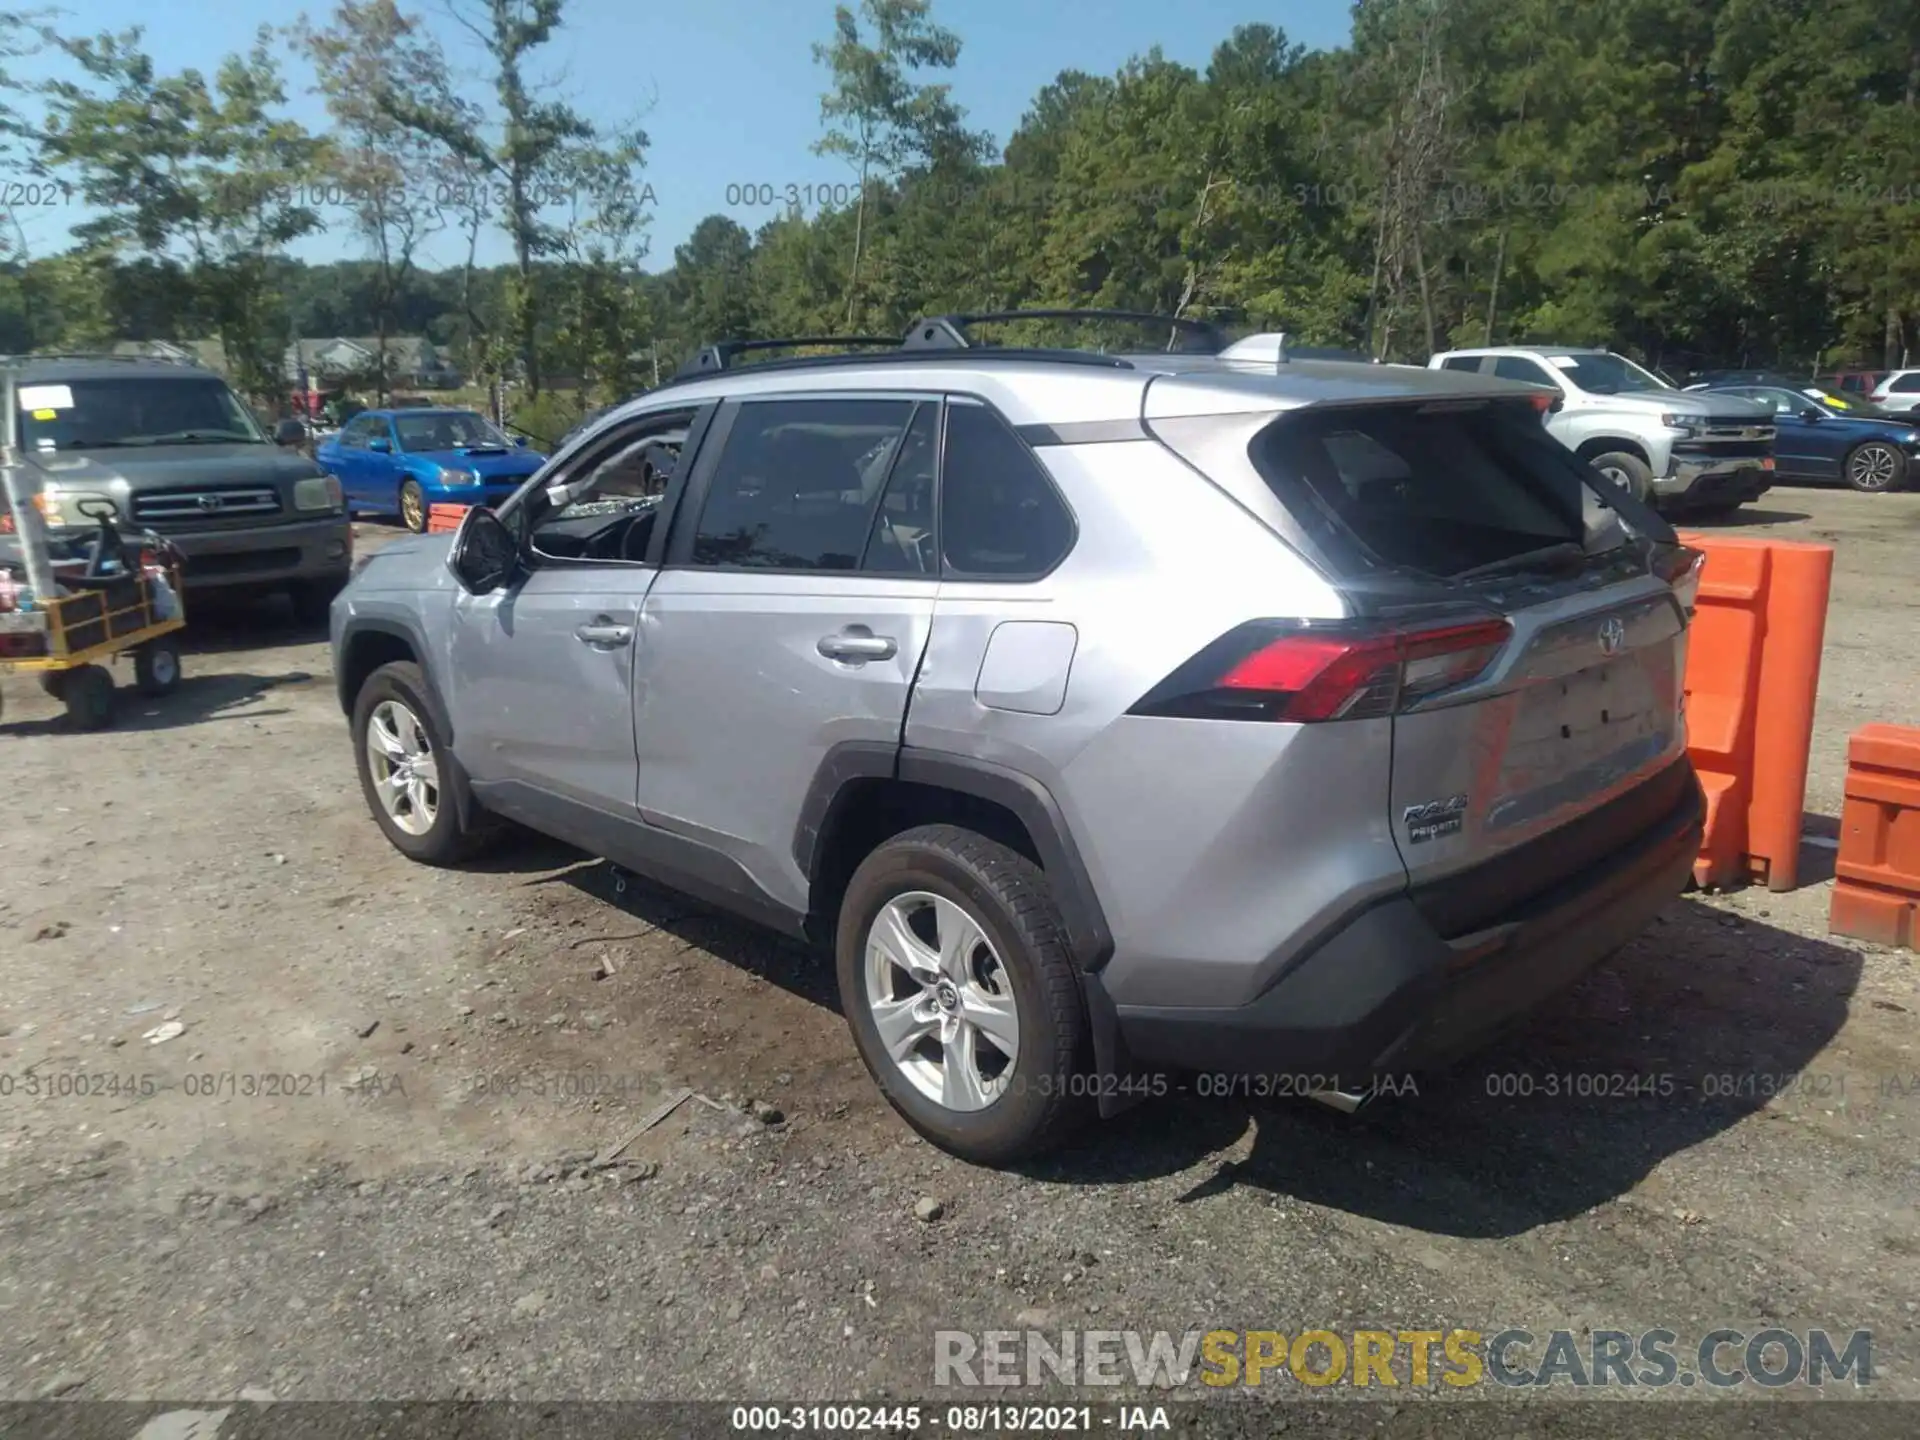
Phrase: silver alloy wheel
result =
(1619, 477)
(406, 777)
(1871, 467)
(941, 1001)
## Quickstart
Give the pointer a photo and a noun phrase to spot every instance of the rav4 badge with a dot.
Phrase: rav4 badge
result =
(1434, 819)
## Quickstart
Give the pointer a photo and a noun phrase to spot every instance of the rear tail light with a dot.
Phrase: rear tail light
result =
(1303, 672)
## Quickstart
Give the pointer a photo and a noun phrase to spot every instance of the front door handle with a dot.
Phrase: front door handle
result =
(603, 633)
(857, 645)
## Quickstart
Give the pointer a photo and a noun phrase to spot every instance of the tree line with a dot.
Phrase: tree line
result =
(1694, 181)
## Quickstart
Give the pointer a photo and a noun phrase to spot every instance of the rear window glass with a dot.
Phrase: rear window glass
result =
(1416, 488)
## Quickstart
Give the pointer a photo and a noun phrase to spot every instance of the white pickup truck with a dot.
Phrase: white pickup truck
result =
(1684, 450)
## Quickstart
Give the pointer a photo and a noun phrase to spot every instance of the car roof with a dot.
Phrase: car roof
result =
(1527, 350)
(394, 413)
(1042, 388)
(37, 370)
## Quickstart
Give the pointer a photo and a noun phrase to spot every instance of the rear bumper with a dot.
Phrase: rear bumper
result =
(319, 549)
(1419, 979)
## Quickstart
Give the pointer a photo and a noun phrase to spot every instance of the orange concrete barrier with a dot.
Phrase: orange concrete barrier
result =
(1876, 891)
(441, 518)
(1753, 668)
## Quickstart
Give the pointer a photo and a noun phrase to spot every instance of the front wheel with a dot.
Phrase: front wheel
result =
(407, 773)
(1876, 467)
(961, 993)
(413, 507)
(1628, 471)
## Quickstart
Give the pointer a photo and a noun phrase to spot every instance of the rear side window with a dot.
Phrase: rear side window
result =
(1428, 489)
(1461, 362)
(1906, 384)
(1518, 367)
(1000, 517)
(798, 484)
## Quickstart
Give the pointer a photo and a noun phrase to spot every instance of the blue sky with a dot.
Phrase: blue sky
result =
(728, 91)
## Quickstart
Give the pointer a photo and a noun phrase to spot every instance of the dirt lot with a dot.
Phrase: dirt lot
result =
(328, 1187)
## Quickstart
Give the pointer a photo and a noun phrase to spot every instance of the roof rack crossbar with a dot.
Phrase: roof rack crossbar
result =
(721, 354)
(949, 332)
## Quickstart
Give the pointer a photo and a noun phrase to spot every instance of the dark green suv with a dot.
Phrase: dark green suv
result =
(178, 453)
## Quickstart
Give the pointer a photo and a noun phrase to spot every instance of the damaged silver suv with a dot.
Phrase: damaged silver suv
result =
(1106, 715)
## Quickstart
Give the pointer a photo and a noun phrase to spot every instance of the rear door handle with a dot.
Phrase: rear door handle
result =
(857, 645)
(603, 633)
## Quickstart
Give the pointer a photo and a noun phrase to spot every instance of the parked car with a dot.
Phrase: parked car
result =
(1678, 448)
(1834, 440)
(401, 462)
(1899, 393)
(1853, 383)
(892, 668)
(177, 452)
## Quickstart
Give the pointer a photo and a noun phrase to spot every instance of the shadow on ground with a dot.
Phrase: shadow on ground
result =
(199, 700)
(1746, 515)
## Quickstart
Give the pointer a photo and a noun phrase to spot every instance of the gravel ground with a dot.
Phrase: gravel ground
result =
(365, 1165)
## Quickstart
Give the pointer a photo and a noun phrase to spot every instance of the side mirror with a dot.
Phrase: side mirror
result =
(289, 432)
(484, 556)
(380, 445)
(1812, 412)
(521, 442)
(1556, 404)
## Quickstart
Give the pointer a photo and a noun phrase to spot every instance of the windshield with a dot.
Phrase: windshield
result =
(1605, 374)
(116, 413)
(448, 430)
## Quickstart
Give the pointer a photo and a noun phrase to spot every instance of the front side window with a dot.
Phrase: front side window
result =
(137, 411)
(799, 482)
(615, 495)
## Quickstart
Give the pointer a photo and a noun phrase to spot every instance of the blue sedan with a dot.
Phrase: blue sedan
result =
(1827, 439)
(400, 462)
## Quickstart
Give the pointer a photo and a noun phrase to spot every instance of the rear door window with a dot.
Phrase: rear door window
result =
(1518, 367)
(1907, 384)
(1432, 489)
(1461, 362)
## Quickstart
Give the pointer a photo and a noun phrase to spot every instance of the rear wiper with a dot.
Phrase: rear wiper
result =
(1540, 559)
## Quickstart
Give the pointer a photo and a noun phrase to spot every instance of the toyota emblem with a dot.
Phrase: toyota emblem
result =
(1613, 634)
(209, 503)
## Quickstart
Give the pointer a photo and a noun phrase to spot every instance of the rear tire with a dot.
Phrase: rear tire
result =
(156, 667)
(88, 693)
(979, 924)
(1626, 470)
(416, 805)
(1875, 468)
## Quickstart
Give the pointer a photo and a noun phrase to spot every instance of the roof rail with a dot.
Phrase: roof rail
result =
(93, 355)
(687, 375)
(710, 359)
(949, 332)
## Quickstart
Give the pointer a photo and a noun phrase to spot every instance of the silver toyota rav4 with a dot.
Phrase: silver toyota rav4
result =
(1109, 716)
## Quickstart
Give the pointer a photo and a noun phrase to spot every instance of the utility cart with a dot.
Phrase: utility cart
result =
(65, 617)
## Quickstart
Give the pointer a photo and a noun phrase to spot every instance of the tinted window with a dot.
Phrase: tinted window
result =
(1434, 493)
(798, 483)
(101, 414)
(1607, 374)
(999, 513)
(1516, 367)
(1907, 384)
(901, 540)
(1461, 362)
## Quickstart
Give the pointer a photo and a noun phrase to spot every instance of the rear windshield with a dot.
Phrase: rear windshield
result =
(1435, 491)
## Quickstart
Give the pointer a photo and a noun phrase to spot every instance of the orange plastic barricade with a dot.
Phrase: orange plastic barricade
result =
(444, 517)
(1876, 890)
(1753, 668)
